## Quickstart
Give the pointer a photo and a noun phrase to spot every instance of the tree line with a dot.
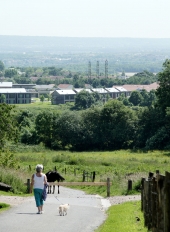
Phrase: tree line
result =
(44, 75)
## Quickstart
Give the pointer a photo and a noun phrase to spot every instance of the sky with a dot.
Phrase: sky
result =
(86, 18)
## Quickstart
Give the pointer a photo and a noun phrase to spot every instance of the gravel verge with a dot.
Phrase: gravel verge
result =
(115, 200)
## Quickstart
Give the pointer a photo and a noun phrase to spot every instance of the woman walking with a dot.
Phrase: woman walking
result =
(38, 181)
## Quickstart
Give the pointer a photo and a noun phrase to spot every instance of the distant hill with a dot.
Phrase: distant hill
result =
(72, 44)
(74, 54)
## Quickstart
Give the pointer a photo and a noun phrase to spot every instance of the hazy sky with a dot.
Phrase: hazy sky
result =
(86, 18)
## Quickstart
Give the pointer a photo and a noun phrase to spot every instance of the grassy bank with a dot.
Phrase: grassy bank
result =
(126, 217)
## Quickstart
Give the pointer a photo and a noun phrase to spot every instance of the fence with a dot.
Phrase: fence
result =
(107, 184)
(155, 201)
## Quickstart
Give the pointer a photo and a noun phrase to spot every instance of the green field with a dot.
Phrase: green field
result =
(38, 106)
(120, 166)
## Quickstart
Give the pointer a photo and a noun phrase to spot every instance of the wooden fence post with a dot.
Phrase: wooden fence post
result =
(161, 202)
(154, 197)
(84, 176)
(151, 174)
(28, 185)
(129, 185)
(94, 175)
(167, 202)
(145, 201)
(142, 193)
(108, 187)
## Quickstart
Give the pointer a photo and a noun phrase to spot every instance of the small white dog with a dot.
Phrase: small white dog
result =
(63, 209)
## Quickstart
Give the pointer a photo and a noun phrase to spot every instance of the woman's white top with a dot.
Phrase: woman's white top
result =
(39, 181)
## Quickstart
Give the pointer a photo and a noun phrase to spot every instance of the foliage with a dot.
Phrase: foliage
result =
(84, 99)
(117, 125)
(67, 129)
(110, 126)
(3, 98)
(42, 98)
(11, 72)
(44, 126)
(10, 177)
(8, 129)
(4, 206)
(26, 126)
(135, 98)
(2, 67)
(8, 159)
(163, 93)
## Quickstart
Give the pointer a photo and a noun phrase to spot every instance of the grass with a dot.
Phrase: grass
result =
(4, 207)
(126, 217)
(38, 106)
(118, 165)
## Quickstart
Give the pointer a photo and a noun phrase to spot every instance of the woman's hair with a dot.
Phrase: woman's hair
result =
(39, 167)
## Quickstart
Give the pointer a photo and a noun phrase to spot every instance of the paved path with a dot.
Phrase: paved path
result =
(86, 213)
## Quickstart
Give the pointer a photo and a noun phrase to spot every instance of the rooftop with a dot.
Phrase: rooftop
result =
(64, 91)
(13, 90)
(5, 84)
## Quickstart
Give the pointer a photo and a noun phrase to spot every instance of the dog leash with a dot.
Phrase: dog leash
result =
(58, 200)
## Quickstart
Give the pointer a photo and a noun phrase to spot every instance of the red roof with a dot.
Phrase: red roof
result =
(148, 88)
(65, 86)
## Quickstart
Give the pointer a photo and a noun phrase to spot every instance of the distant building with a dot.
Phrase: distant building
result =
(5, 84)
(88, 86)
(148, 88)
(79, 90)
(26, 86)
(113, 92)
(62, 96)
(65, 86)
(15, 96)
(123, 90)
(44, 89)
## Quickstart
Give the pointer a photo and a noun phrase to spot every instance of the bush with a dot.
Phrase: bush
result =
(10, 177)
(3, 205)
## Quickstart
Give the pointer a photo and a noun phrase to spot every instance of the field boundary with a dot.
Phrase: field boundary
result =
(155, 201)
(107, 184)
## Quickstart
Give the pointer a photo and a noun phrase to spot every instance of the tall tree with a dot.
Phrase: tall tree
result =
(44, 125)
(118, 125)
(11, 72)
(135, 98)
(163, 92)
(84, 100)
(3, 98)
(67, 129)
(42, 98)
(2, 67)
(8, 128)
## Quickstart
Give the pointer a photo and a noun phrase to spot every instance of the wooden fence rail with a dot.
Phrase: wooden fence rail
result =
(155, 201)
(107, 184)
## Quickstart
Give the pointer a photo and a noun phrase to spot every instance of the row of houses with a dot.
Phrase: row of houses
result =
(23, 93)
(65, 94)
(68, 95)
